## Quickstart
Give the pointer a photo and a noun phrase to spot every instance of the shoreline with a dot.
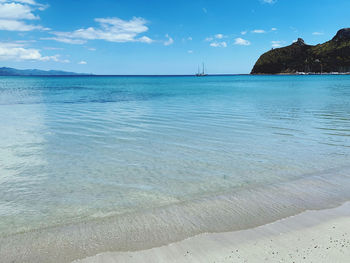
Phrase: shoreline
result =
(312, 236)
(157, 227)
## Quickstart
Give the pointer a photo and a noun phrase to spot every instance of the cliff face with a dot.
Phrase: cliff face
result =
(332, 56)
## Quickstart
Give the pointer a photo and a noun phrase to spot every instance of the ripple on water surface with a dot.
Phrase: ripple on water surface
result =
(201, 153)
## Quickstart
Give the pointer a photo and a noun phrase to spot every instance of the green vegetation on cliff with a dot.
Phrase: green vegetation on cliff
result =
(332, 56)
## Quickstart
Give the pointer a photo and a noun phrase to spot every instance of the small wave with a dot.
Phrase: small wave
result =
(155, 227)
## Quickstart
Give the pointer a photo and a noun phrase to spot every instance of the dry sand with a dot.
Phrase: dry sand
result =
(313, 236)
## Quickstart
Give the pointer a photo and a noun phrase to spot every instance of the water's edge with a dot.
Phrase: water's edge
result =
(282, 237)
(161, 226)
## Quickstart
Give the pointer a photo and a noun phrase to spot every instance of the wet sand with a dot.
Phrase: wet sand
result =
(312, 236)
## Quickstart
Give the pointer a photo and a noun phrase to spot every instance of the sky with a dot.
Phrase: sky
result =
(159, 36)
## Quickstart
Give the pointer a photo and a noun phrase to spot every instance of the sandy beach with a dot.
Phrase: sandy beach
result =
(312, 236)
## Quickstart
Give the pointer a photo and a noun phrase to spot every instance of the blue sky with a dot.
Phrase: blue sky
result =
(159, 36)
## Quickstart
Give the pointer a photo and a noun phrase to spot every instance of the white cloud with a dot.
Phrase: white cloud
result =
(28, 2)
(110, 29)
(17, 52)
(145, 39)
(12, 14)
(219, 36)
(16, 25)
(189, 38)
(218, 44)
(259, 31)
(273, 29)
(82, 62)
(16, 11)
(32, 3)
(169, 41)
(91, 49)
(65, 40)
(12, 51)
(25, 42)
(244, 32)
(241, 42)
(190, 51)
(53, 48)
(55, 58)
(269, 1)
(317, 33)
(276, 44)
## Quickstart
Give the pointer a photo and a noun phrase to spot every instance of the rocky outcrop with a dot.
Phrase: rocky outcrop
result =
(332, 56)
(343, 34)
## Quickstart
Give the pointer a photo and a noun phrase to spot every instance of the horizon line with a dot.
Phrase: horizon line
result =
(123, 75)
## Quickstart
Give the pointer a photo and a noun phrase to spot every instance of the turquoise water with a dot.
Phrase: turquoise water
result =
(93, 149)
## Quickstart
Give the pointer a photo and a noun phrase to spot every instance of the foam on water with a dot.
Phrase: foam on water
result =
(91, 164)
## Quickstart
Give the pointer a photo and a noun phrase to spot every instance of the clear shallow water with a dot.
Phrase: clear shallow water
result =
(96, 149)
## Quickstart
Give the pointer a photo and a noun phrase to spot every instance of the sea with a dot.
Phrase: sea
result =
(90, 164)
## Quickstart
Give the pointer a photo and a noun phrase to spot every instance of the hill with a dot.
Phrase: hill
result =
(332, 56)
(4, 71)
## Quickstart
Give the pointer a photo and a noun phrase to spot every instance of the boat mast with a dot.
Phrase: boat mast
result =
(203, 69)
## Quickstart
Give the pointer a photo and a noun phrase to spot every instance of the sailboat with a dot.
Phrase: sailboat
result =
(201, 74)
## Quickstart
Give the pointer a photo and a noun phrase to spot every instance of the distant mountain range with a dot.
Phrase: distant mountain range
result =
(332, 56)
(4, 71)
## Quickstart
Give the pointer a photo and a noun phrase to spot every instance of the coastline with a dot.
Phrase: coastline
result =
(312, 236)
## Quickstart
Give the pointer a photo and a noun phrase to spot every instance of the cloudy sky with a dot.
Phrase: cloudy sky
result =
(159, 36)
